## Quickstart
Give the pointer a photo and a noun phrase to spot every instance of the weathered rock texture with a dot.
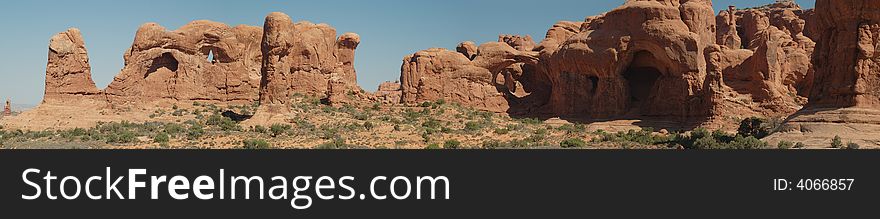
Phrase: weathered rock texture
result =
(202, 60)
(845, 98)
(671, 59)
(388, 92)
(442, 74)
(7, 109)
(68, 72)
(303, 58)
(769, 57)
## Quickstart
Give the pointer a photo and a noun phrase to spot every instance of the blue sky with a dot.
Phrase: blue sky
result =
(389, 29)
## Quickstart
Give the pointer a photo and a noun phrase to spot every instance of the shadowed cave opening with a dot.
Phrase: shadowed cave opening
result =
(166, 61)
(641, 76)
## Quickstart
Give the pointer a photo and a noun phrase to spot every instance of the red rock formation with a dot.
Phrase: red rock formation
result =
(303, 57)
(779, 70)
(435, 74)
(68, 72)
(7, 109)
(645, 58)
(642, 55)
(846, 60)
(845, 98)
(388, 92)
(202, 60)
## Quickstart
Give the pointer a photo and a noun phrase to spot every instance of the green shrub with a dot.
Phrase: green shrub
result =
(707, 142)
(173, 129)
(472, 126)
(531, 121)
(195, 131)
(852, 146)
(573, 143)
(785, 145)
(502, 131)
(432, 124)
(161, 138)
(255, 144)
(433, 146)
(799, 145)
(491, 144)
(259, 129)
(836, 142)
(747, 143)
(376, 107)
(452, 144)
(278, 129)
(335, 143)
(755, 127)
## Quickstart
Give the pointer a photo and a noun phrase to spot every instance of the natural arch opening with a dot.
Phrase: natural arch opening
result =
(641, 77)
(165, 61)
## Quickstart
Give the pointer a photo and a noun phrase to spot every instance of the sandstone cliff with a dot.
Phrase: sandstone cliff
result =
(845, 98)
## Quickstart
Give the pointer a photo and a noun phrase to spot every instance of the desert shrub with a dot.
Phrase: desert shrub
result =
(278, 129)
(573, 143)
(335, 143)
(755, 127)
(361, 116)
(122, 137)
(502, 131)
(836, 142)
(492, 144)
(643, 137)
(224, 123)
(572, 129)
(161, 138)
(433, 146)
(426, 104)
(376, 107)
(706, 142)
(397, 127)
(799, 145)
(304, 124)
(195, 131)
(853, 146)
(255, 144)
(750, 142)
(328, 132)
(785, 145)
(368, 125)
(259, 129)
(530, 121)
(431, 126)
(472, 126)
(452, 144)
(173, 128)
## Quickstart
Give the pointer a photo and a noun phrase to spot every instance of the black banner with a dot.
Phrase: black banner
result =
(481, 183)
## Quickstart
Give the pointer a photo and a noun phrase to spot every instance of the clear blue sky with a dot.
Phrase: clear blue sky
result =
(389, 29)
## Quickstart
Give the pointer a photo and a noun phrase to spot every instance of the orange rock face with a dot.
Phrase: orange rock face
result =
(202, 60)
(303, 58)
(845, 97)
(7, 109)
(846, 60)
(672, 59)
(68, 72)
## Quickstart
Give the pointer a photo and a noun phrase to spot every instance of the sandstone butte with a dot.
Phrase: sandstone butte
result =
(662, 63)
